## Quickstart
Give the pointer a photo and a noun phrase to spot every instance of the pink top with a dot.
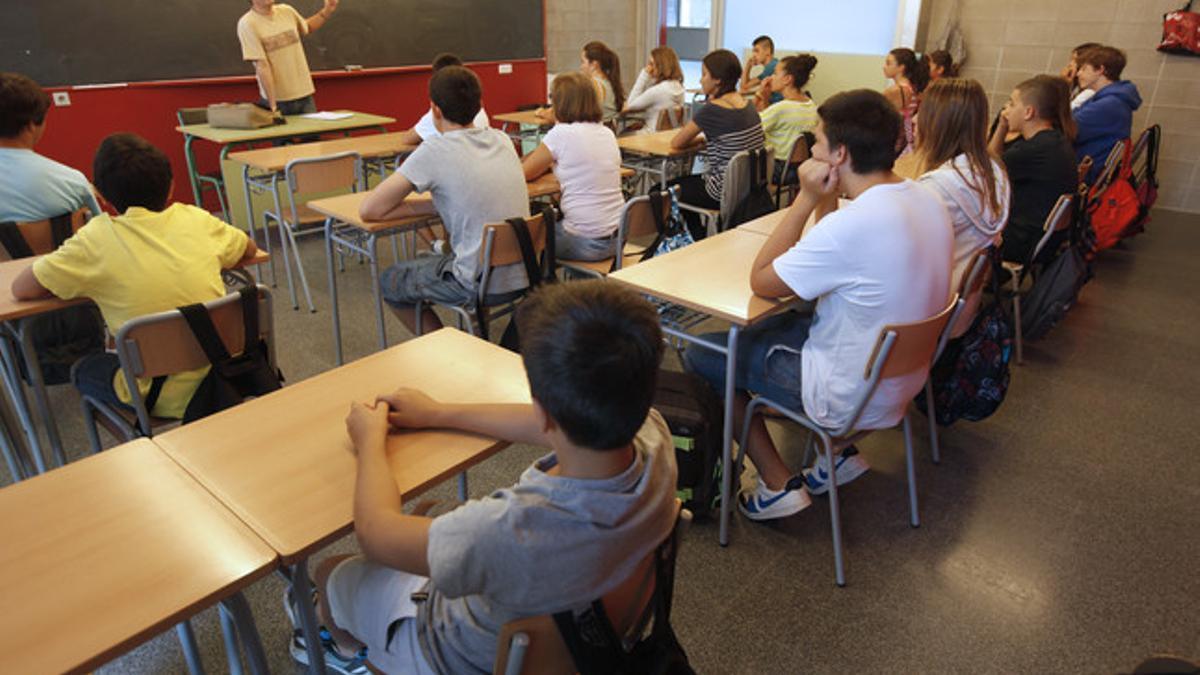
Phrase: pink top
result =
(910, 103)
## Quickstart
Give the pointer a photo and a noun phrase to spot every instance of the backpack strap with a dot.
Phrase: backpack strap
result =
(549, 261)
(156, 386)
(532, 269)
(206, 333)
(13, 241)
(660, 224)
(60, 229)
(250, 317)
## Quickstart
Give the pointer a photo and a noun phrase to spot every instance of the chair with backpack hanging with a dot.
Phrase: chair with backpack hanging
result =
(234, 334)
(627, 632)
(789, 180)
(1059, 220)
(1112, 203)
(518, 241)
(640, 219)
(1144, 178)
(900, 350)
(211, 180)
(745, 177)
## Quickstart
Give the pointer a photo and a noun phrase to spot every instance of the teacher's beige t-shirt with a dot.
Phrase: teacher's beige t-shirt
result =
(276, 40)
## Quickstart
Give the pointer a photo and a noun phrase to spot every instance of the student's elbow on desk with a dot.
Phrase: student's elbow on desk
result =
(766, 283)
(27, 287)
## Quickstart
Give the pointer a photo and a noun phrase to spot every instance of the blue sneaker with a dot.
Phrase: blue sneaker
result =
(334, 660)
(849, 465)
(763, 503)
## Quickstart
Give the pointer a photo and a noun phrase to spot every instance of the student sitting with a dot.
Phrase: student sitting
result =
(956, 165)
(475, 178)
(883, 259)
(786, 121)
(941, 64)
(730, 124)
(151, 258)
(604, 66)
(425, 128)
(659, 87)
(1108, 116)
(762, 53)
(33, 187)
(910, 75)
(1070, 73)
(587, 162)
(1040, 163)
(430, 595)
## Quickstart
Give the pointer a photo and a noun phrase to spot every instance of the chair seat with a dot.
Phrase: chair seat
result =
(597, 267)
(130, 419)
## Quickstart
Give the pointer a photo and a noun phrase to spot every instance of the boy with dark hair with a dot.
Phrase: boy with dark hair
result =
(576, 524)
(425, 128)
(883, 259)
(762, 53)
(149, 259)
(475, 178)
(33, 187)
(1107, 117)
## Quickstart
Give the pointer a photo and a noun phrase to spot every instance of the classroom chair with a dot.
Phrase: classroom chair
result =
(737, 186)
(1014, 285)
(39, 237)
(970, 294)
(310, 178)
(500, 247)
(670, 118)
(211, 180)
(534, 645)
(1144, 158)
(789, 181)
(163, 344)
(638, 222)
(902, 349)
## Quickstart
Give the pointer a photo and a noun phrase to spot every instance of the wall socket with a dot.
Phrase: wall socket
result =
(505, 68)
(62, 99)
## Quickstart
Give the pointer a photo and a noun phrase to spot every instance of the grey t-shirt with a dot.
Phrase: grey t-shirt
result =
(546, 544)
(476, 179)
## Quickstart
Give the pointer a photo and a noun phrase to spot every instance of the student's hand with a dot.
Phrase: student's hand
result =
(330, 5)
(817, 178)
(409, 408)
(367, 425)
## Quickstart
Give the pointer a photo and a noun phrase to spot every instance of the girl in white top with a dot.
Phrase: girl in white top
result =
(604, 66)
(953, 150)
(587, 162)
(659, 87)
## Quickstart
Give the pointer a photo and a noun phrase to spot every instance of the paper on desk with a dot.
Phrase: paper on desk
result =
(328, 116)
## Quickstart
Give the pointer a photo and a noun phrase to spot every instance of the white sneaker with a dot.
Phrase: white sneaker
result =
(763, 503)
(850, 465)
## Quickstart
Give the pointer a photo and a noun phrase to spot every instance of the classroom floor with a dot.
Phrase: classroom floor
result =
(1061, 535)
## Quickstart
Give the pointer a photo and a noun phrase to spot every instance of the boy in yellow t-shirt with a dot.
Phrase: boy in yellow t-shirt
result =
(152, 258)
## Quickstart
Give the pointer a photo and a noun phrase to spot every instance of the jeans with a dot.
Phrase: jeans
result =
(93, 376)
(568, 246)
(299, 106)
(768, 359)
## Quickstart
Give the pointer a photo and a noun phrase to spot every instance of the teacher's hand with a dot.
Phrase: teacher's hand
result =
(330, 5)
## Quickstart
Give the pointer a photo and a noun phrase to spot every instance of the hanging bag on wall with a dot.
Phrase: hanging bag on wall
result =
(1181, 31)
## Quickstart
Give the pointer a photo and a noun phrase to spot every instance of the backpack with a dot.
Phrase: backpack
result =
(970, 378)
(537, 271)
(672, 234)
(1054, 292)
(694, 415)
(1112, 208)
(1145, 183)
(232, 379)
(59, 338)
(758, 201)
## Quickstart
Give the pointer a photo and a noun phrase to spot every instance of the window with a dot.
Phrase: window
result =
(689, 13)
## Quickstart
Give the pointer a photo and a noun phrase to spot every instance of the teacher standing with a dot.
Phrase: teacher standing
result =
(270, 35)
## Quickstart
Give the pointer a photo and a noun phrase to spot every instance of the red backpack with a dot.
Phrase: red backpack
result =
(1113, 204)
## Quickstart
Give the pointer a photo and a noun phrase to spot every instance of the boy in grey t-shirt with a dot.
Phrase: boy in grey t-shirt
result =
(475, 178)
(576, 524)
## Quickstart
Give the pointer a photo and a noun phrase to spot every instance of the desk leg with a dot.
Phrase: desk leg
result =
(727, 434)
(191, 167)
(243, 620)
(302, 593)
(250, 220)
(16, 394)
(284, 239)
(229, 633)
(373, 257)
(13, 455)
(333, 294)
(34, 366)
(187, 640)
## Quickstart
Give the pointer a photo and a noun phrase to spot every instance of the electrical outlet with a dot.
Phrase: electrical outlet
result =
(62, 99)
(505, 68)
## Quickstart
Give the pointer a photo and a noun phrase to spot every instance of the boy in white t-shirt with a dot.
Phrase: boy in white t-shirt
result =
(883, 259)
(425, 129)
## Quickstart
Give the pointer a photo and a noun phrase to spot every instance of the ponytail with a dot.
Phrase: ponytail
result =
(610, 65)
(916, 68)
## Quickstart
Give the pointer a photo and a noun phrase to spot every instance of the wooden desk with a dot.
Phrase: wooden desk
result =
(284, 464)
(276, 158)
(13, 314)
(523, 125)
(908, 166)
(651, 149)
(109, 551)
(765, 225)
(297, 125)
(524, 117)
(712, 277)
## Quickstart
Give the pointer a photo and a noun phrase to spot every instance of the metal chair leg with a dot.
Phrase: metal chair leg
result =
(914, 516)
(462, 486)
(1017, 327)
(89, 424)
(191, 653)
(229, 633)
(835, 514)
(300, 269)
(933, 427)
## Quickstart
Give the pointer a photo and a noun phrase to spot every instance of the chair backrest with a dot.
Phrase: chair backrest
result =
(1112, 165)
(1057, 220)
(324, 174)
(737, 182)
(533, 646)
(669, 118)
(800, 151)
(188, 116)
(1145, 154)
(1085, 166)
(970, 292)
(500, 247)
(39, 235)
(638, 222)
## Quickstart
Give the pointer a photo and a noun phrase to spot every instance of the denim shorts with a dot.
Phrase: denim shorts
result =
(768, 359)
(427, 279)
(568, 246)
(93, 376)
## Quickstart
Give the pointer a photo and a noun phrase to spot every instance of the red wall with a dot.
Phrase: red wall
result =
(148, 108)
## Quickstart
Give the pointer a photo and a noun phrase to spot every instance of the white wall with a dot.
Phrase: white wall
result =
(830, 26)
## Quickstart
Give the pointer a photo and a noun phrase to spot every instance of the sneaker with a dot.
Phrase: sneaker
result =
(763, 503)
(849, 466)
(334, 660)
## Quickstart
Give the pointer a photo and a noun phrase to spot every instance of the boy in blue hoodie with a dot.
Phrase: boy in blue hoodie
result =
(1108, 116)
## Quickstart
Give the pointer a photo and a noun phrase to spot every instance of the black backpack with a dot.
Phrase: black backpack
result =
(537, 271)
(758, 201)
(1057, 286)
(232, 379)
(59, 338)
(694, 415)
